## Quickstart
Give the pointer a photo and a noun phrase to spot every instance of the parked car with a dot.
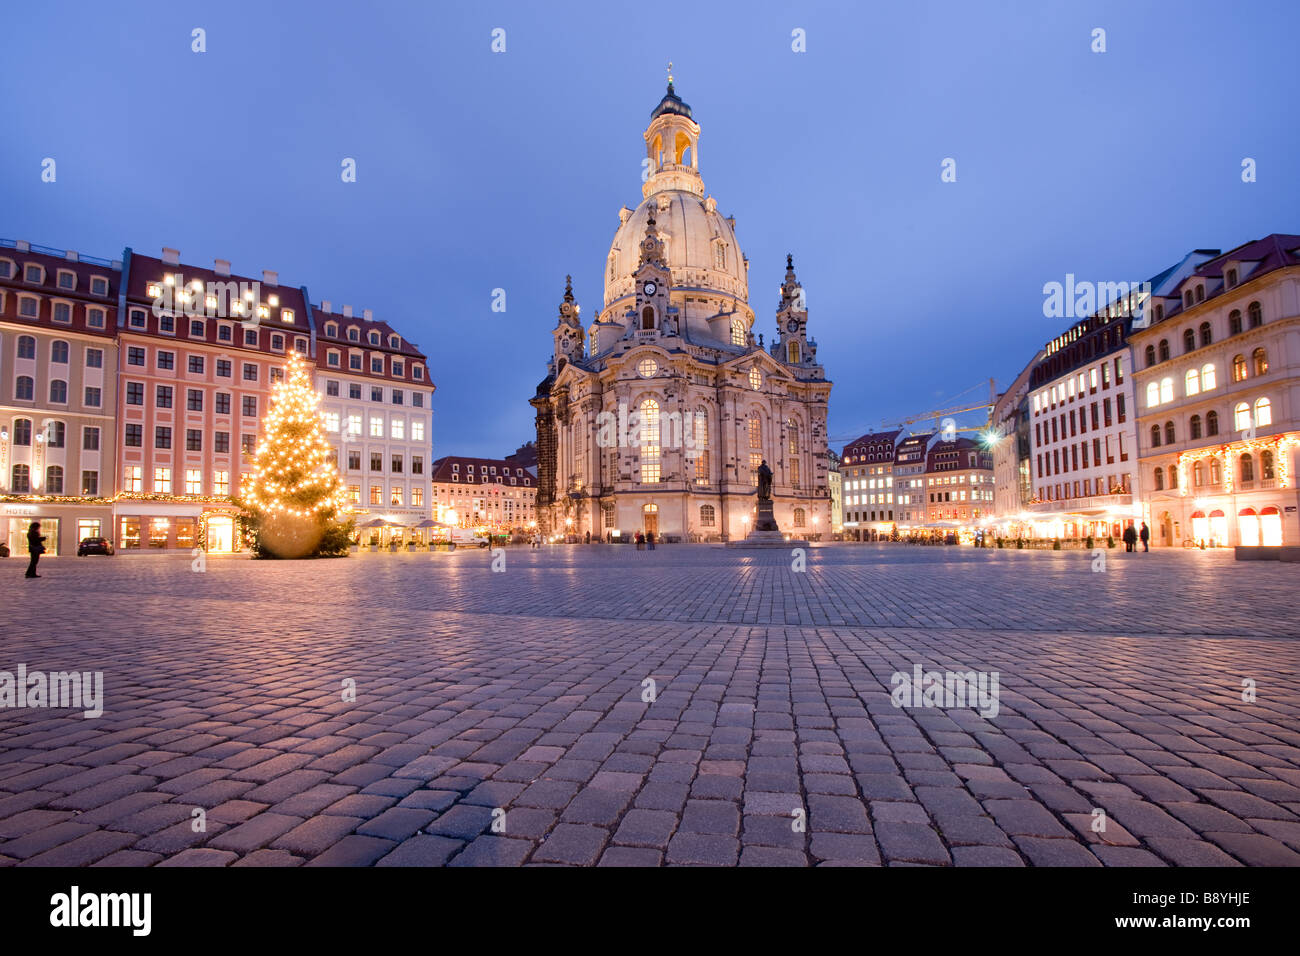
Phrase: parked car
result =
(94, 546)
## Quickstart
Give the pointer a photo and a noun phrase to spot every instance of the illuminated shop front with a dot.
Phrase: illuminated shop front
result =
(158, 525)
(64, 523)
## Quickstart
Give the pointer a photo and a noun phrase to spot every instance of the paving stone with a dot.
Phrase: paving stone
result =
(772, 697)
(911, 842)
(572, 843)
(985, 856)
(493, 851)
(421, 850)
(354, 850)
(315, 836)
(630, 856)
(703, 849)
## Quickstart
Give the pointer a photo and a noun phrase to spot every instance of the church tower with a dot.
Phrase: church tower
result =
(792, 345)
(569, 341)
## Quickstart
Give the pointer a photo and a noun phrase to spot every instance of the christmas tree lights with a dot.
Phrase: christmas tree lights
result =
(295, 493)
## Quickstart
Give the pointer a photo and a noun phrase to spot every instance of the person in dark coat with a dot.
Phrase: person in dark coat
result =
(1130, 538)
(35, 547)
(640, 541)
(1145, 535)
(650, 540)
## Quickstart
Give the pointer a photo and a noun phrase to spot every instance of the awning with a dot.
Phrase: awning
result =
(430, 523)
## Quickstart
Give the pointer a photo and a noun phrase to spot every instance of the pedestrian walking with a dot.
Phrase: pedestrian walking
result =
(650, 540)
(35, 547)
(1145, 535)
(588, 538)
(640, 541)
(1130, 538)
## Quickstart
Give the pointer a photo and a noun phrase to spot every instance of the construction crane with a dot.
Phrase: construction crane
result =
(938, 415)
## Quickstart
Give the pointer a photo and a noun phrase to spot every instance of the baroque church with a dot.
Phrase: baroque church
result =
(657, 416)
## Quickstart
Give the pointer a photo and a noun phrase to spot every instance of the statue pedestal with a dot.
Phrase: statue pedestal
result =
(766, 533)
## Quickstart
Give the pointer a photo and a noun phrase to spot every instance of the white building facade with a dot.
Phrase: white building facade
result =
(376, 399)
(1219, 387)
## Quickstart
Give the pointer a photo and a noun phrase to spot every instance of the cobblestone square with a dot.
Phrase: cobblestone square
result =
(503, 719)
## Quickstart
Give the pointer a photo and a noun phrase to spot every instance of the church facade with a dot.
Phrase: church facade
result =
(658, 415)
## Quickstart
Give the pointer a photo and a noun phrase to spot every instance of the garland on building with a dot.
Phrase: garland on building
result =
(295, 496)
(1280, 445)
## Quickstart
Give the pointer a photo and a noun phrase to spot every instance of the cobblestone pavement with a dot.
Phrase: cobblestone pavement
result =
(772, 738)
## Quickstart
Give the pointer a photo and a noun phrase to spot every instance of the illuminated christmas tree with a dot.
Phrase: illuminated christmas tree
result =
(295, 495)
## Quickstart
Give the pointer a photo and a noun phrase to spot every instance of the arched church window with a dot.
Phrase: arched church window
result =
(792, 353)
(755, 425)
(792, 450)
(700, 430)
(720, 256)
(800, 516)
(755, 378)
(648, 317)
(737, 332)
(649, 441)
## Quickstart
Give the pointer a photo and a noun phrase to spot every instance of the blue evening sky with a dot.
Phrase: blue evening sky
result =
(479, 171)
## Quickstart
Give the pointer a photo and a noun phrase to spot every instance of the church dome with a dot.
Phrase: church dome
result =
(699, 244)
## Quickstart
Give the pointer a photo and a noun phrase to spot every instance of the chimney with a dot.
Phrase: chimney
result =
(221, 267)
(22, 245)
(72, 256)
(171, 257)
(325, 305)
(368, 315)
(270, 278)
(347, 312)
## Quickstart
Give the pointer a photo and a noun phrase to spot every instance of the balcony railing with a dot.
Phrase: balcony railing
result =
(1091, 503)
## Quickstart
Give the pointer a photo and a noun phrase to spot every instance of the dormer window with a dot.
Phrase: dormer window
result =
(354, 334)
(277, 343)
(394, 342)
(286, 316)
(332, 329)
(34, 273)
(374, 338)
(1187, 299)
(6, 268)
(332, 358)
(1231, 278)
(67, 279)
(1200, 293)
(397, 367)
(418, 372)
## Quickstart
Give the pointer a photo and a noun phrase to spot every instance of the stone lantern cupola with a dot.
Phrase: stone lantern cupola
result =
(672, 147)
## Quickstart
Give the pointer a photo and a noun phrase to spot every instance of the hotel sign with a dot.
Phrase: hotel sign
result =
(20, 510)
